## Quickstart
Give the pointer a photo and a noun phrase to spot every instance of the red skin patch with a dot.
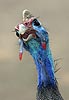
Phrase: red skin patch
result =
(20, 56)
(28, 23)
(44, 45)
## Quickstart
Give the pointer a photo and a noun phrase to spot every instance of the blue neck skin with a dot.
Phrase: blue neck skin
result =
(42, 58)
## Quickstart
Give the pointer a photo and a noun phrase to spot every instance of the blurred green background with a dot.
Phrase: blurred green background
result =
(18, 79)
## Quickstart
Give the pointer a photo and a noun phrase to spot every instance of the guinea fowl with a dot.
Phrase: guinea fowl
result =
(35, 39)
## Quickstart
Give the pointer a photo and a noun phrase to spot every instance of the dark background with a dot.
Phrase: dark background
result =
(18, 79)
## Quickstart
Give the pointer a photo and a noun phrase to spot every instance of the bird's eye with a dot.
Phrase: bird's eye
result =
(36, 22)
(17, 34)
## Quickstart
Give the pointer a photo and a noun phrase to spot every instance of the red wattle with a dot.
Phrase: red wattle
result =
(44, 45)
(20, 56)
